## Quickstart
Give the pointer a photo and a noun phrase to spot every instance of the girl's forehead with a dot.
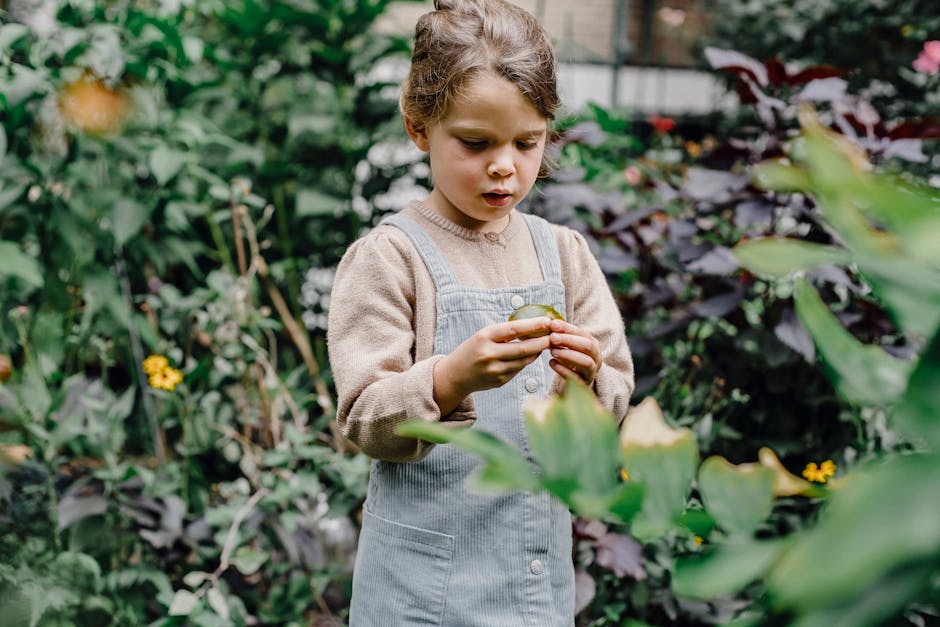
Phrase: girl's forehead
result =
(487, 101)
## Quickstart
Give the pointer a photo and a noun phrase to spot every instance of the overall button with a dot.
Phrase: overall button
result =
(531, 384)
(493, 237)
(517, 301)
(536, 567)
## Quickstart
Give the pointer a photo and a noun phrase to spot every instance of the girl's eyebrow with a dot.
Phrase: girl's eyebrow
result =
(469, 128)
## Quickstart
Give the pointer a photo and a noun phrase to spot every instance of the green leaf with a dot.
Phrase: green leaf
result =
(248, 560)
(910, 290)
(313, 202)
(664, 461)
(14, 262)
(882, 520)
(778, 257)
(165, 163)
(184, 602)
(875, 605)
(574, 439)
(863, 374)
(778, 176)
(918, 413)
(726, 569)
(8, 196)
(738, 497)
(504, 466)
(128, 217)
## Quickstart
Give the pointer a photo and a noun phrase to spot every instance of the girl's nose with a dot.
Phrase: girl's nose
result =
(501, 164)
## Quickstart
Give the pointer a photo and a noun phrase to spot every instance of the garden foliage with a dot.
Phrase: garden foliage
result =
(177, 183)
(876, 546)
(169, 170)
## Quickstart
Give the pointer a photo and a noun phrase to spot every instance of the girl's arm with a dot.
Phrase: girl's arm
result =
(382, 375)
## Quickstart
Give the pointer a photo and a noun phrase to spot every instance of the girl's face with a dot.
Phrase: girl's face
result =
(485, 153)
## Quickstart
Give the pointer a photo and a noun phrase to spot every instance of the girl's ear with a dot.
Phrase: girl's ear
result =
(418, 134)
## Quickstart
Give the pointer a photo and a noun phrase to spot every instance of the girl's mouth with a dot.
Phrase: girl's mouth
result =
(497, 200)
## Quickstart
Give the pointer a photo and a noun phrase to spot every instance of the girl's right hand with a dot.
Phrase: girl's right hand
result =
(487, 359)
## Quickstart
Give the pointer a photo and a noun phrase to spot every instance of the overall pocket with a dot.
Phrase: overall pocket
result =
(401, 574)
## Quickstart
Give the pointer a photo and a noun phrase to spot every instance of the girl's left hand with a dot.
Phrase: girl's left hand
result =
(575, 352)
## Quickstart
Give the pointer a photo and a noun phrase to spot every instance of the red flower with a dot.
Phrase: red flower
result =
(661, 124)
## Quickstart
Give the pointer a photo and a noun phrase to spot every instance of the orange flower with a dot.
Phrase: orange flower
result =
(92, 106)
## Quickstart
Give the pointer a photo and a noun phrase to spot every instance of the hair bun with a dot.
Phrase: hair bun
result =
(458, 6)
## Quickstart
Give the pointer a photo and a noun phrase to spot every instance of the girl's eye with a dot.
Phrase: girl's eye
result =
(526, 145)
(473, 144)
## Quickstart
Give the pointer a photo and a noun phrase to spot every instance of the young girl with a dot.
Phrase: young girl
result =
(418, 330)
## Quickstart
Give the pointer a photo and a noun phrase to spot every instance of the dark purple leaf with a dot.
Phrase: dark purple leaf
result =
(719, 260)
(73, 507)
(592, 529)
(621, 554)
(688, 252)
(815, 72)
(922, 128)
(614, 260)
(665, 191)
(666, 328)
(908, 149)
(824, 90)
(628, 240)
(584, 590)
(625, 220)
(791, 332)
(776, 71)
(833, 274)
(650, 234)
(753, 213)
(681, 231)
(588, 133)
(641, 346)
(717, 306)
(713, 185)
(569, 175)
(734, 61)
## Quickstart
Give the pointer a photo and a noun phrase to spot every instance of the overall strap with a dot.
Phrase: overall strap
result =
(444, 278)
(545, 246)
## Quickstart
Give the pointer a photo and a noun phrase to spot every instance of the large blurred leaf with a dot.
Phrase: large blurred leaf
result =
(663, 460)
(504, 467)
(779, 257)
(863, 374)
(725, 569)
(738, 497)
(574, 440)
(918, 413)
(884, 518)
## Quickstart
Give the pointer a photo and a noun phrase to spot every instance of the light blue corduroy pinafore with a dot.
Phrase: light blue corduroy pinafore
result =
(433, 553)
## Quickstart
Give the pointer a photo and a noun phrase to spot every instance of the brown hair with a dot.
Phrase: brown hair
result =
(462, 39)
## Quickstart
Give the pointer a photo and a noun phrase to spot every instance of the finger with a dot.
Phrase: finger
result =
(523, 349)
(564, 371)
(563, 326)
(574, 360)
(515, 329)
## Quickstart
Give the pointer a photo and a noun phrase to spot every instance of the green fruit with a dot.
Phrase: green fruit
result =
(535, 311)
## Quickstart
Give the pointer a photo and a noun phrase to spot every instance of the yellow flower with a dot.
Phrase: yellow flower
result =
(694, 149)
(699, 541)
(820, 473)
(624, 474)
(155, 364)
(161, 375)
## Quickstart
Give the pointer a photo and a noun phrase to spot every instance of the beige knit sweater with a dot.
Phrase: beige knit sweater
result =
(382, 322)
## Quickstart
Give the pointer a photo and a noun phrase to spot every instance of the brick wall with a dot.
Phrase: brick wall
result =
(659, 32)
